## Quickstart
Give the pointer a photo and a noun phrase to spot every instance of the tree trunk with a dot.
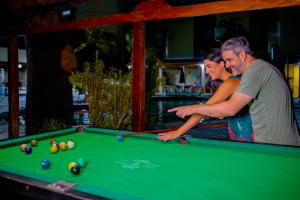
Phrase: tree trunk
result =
(49, 93)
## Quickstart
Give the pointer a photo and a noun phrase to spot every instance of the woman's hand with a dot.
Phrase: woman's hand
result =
(168, 135)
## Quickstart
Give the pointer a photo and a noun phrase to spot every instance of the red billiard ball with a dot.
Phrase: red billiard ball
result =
(28, 149)
(51, 141)
(182, 140)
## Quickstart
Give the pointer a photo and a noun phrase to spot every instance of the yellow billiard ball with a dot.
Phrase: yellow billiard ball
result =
(53, 149)
(72, 164)
(63, 146)
(34, 143)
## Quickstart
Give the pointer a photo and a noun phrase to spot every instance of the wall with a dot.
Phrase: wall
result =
(180, 38)
(290, 30)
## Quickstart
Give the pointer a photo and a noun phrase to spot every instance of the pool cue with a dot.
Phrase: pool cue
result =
(170, 129)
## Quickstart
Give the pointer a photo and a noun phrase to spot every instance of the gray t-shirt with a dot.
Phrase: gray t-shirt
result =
(271, 108)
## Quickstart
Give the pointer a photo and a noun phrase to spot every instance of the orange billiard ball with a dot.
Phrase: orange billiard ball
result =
(22, 147)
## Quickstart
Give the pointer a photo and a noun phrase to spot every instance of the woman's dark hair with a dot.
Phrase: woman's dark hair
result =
(214, 55)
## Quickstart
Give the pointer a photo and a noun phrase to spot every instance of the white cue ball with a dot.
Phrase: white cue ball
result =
(71, 144)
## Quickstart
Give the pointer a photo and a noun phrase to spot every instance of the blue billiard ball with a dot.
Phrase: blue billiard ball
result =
(28, 149)
(45, 164)
(120, 138)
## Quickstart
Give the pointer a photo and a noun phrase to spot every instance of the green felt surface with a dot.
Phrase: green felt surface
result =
(144, 168)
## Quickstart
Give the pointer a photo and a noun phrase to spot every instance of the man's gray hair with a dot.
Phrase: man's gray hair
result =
(236, 45)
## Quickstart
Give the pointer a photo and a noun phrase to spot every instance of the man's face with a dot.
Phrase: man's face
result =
(233, 62)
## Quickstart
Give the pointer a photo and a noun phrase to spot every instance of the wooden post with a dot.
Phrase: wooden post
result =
(13, 88)
(138, 76)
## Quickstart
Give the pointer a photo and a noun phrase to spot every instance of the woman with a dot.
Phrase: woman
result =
(239, 126)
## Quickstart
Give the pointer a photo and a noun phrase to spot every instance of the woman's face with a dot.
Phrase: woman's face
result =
(214, 69)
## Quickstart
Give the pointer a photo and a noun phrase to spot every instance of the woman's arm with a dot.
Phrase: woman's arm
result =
(225, 90)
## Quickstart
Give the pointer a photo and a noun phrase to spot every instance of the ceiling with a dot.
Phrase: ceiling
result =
(15, 12)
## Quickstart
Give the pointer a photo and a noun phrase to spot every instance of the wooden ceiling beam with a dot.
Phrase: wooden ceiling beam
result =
(147, 13)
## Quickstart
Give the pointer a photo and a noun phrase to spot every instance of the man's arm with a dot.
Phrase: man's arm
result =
(224, 109)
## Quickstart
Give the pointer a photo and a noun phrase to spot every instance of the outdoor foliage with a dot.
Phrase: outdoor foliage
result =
(53, 124)
(109, 94)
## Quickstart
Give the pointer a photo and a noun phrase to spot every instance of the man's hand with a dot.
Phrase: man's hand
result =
(183, 111)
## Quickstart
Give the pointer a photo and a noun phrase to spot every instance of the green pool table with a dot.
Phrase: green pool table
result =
(142, 167)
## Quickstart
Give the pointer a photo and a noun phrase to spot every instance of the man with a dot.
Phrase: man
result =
(263, 87)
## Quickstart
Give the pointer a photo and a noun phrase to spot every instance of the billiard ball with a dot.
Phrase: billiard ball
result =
(72, 164)
(183, 140)
(51, 141)
(60, 144)
(53, 149)
(81, 162)
(28, 149)
(63, 146)
(34, 143)
(55, 144)
(71, 144)
(120, 138)
(45, 164)
(22, 147)
(75, 170)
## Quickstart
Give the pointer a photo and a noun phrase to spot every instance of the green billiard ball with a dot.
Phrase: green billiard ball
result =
(81, 162)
